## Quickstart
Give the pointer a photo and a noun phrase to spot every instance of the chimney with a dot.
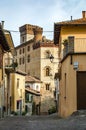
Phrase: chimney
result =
(2, 23)
(83, 14)
(71, 18)
(38, 33)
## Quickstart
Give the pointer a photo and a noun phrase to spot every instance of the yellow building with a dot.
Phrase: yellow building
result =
(33, 57)
(71, 38)
(17, 92)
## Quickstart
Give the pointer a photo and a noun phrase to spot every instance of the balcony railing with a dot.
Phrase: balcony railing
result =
(78, 45)
(10, 65)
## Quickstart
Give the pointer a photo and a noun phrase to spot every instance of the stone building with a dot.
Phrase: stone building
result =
(33, 57)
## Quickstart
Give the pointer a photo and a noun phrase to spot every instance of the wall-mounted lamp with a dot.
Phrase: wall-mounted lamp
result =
(51, 58)
(75, 65)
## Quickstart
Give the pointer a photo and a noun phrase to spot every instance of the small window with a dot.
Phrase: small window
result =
(23, 60)
(18, 104)
(47, 86)
(28, 58)
(16, 53)
(47, 71)
(17, 83)
(20, 61)
(28, 48)
(20, 51)
(16, 61)
(23, 39)
(23, 50)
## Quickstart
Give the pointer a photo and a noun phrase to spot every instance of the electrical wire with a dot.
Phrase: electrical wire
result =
(15, 31)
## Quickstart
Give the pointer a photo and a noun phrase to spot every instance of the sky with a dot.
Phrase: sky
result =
(43, 13)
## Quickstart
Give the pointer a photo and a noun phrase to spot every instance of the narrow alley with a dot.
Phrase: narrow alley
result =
(49, 122)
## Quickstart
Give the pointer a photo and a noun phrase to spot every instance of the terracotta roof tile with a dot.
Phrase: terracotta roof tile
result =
(76, 21)
(32, 79)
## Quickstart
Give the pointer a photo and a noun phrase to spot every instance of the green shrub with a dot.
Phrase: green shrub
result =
(52, 110)
(24, 113)
(15, 113)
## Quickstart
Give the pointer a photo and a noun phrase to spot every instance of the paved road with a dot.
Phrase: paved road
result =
(43, 123)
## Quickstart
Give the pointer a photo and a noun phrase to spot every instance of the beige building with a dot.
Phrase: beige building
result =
(71, 38)
(33, 57)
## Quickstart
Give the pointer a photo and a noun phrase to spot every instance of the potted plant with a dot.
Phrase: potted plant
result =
(65, 42)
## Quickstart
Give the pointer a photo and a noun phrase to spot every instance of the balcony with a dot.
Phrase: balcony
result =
(10, 65)
(76, 45)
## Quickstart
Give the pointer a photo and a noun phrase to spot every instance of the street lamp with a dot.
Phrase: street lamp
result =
(51, 58)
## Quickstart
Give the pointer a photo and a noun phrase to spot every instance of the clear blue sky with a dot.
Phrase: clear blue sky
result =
(43, 13)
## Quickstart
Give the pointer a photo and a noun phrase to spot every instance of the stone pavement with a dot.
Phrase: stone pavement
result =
(49, 122)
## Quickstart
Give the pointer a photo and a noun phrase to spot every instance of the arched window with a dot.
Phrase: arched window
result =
(47, 71)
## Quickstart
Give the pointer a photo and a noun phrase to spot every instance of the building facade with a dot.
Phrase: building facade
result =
(33, 95)
(17, 92)
(33, 57)
(6, 47)
(71, 38)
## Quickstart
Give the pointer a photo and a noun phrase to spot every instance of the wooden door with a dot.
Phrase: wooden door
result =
(81, 90)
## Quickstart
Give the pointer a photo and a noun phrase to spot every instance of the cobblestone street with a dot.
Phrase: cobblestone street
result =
(50, 122)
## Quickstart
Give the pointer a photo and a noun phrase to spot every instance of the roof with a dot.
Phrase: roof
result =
(58, 25)
(71, 53)
(24, 44)
(31, 79)
(3, 39)
(20, 72)
(32, 91)
(9, 40)
(46, 43)
(72, 22)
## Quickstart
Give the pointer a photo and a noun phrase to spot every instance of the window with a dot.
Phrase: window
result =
(28, 58)
(23, 50)
(16, 53)
(28, 97)
(20, 61)
(18, 83)
(47, 71)
(20, 51)
(47, 86)
(28, 48)
(16, 61)
(18, 104)
(23, 39)
(23, 60)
